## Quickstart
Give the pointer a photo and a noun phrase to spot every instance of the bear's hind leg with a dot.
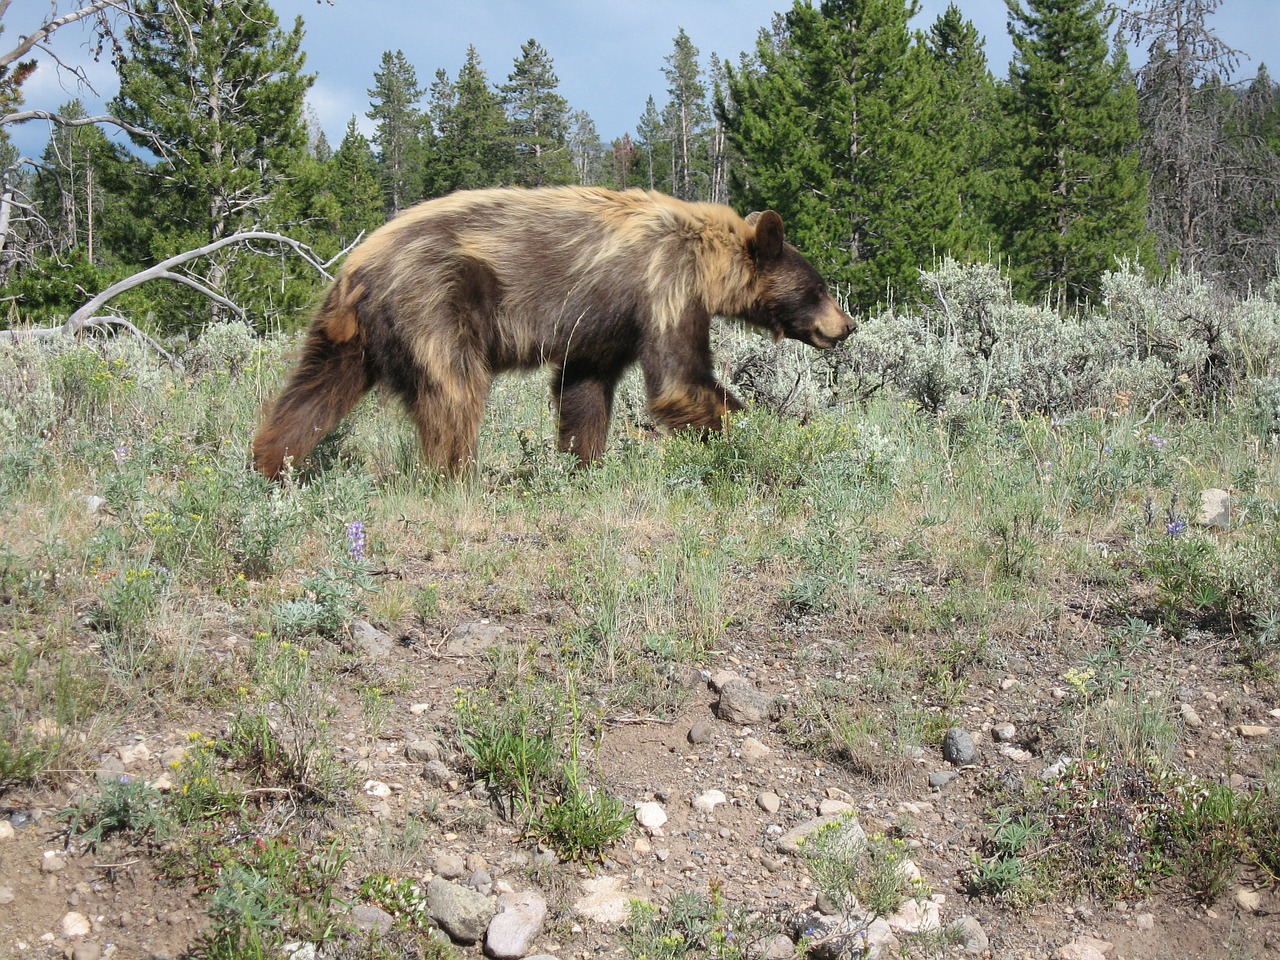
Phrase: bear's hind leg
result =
(584, 403)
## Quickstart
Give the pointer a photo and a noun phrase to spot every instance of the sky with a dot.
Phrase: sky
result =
(608, 54)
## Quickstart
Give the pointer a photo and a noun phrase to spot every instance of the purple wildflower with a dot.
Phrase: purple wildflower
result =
(355, 540)
(1176, 527)
(1158, 442)
(121, 453)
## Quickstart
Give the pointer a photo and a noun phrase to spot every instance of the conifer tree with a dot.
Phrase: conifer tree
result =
(474, 145)
(539, 120)
(354, 183)
(965, 122)
(688, 117)
(831, 122)
(222, 84)
(399, 134)
(653, 144)
(1077, 201)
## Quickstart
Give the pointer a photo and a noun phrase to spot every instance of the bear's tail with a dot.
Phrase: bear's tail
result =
(330, 378)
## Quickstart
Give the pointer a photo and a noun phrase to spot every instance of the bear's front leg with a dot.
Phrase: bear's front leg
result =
(698, 406)
(583, 403)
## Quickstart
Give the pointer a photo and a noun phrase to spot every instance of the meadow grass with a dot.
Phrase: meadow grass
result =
(927, 548)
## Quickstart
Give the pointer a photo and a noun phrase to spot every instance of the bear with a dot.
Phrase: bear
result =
(587, 281)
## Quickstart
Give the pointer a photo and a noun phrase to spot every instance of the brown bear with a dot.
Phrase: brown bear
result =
(458, 289)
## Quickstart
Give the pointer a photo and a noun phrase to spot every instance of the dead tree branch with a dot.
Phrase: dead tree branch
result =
(25, 44)
(87, 317)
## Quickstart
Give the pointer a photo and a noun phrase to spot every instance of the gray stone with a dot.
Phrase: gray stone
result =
(650, 815)
(753, 751)
(941, 778)
(778, 947)
(1003, 732)
(474, 639)
(1215, 509)
(86, 951)
(851, 832)
(6, 896)
(95, 504)
(742, 703)
(370, 642)
(463, 914)
(450, 866)
(518, 923)
(848, 934)
(701, 732)
(1189, 716)
(371, 918)
(769, 802)
(958, 747)
(422, 751)
(437, 771)
(603, 901)
(969, 935)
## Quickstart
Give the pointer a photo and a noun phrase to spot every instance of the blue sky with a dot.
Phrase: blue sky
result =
(608, 54)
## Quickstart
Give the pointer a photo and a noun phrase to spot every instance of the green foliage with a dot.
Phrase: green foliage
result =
(1075, 199)
(400, 134)
(538, 119)
(122, 805)
(855, 871)
(692, 927)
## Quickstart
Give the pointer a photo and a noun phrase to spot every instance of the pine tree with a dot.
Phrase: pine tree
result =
(586, 150)
(399, 133)
(355, 184)
(965, 120)
(653, 142)
(474, 145)
(831, 122)
(222, 84)
(1078, 199)
(539, 120)
(688, 117)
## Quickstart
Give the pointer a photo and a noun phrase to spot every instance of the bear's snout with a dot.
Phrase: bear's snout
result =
(831, 326)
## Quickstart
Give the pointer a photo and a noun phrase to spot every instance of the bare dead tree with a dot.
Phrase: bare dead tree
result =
(1212, 181)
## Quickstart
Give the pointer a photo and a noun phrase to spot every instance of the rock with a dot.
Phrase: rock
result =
(1250, 901)
(650, 815)
(1145, 922)
(968, 935)
(437, 771)
(95, 504)
(1251, 730)
(6, 896)
(941, 778)
(518, 923)
(722, 678)
(372, 919)
(1085, 948)
(958, 747)
(474, 639)
(52, 863)
(743, 704)
(376, 789)
(603, 901)
(461, 913)
(777, 947)
(450, 866)
(848, 935)
(1003, 732)
(370, 642)
(701, 732)
(1215, 509)
(831, 808)
(297, 950)
(1189, 716)
(422, 751)
(75, 925)
(753, 751)
(915, 916)
(708, 801)
(851, 832)
(135, 753)
(769, 802)
(6, 831)
(86, 951)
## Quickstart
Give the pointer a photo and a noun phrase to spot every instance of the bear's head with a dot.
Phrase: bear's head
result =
(791, 298)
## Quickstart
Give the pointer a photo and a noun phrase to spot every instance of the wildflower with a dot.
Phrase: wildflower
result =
(1176, 527)
(355, 540)
(1158, 442)
(120, 453)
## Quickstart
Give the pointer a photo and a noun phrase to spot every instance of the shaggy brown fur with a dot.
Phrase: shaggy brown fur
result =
(456, 290)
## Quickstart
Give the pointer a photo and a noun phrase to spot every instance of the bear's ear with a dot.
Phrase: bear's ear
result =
(767, 243)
